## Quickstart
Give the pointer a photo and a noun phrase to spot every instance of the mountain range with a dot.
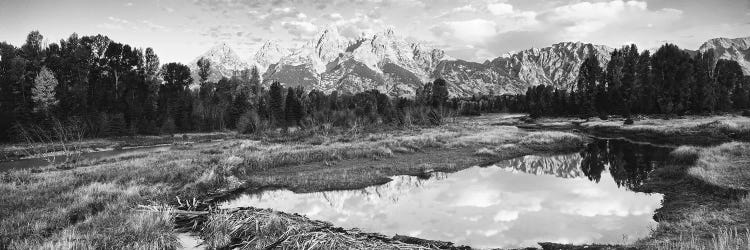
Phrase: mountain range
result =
(394, 65)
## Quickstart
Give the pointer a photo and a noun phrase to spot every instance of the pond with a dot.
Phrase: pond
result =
(575, 198)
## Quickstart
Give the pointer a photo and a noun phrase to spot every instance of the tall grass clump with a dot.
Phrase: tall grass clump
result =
(726, 166)
(723, 239)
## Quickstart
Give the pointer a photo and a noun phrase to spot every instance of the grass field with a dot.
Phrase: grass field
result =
(706, 202)
(97, 204)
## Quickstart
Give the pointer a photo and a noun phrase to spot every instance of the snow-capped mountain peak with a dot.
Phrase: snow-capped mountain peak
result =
(224, 62)
(269, 53)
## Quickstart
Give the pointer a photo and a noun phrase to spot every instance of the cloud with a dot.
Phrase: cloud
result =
(465, 8)
(470, 31)
(333, 16)
(299, 28)
(587, 17)
(500, 8)
(358, 25)
(504, 215)
(153, 26)
(118, 20)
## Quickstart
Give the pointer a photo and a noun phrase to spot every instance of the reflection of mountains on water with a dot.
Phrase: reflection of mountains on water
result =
(390, 192)
(563, 166)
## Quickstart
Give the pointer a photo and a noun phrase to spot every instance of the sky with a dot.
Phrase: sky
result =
(473, 30)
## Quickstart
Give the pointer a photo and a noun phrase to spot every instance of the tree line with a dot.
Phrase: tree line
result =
(114, 89)
(670, 81)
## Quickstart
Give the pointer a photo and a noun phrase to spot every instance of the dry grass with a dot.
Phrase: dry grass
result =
(726, 166)
(703, 130)
(265, 229)
(702, 209)
(723, 239)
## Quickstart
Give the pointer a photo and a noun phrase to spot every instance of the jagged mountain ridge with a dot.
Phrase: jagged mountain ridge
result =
(396, 66)
(737, 49)
(382, 61)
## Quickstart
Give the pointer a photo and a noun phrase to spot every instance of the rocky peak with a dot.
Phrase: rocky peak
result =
(329, 43)
(269, 53)
(224, 62)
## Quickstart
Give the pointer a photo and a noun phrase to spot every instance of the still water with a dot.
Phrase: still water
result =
(576, 198)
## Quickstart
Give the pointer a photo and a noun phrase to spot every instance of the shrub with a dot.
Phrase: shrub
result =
(746, 113)
(435, 117)
(248, 123)
(629, 121)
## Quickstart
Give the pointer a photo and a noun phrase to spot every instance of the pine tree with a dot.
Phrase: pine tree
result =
(728, 75)
(43, 92)
(439, 93)
(629, 75)
(704, 92)
(276, 103)
(589, 78)
(293, 112)
(614, 101)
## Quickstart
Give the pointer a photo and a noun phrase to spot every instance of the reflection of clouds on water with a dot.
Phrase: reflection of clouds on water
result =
(509, 205)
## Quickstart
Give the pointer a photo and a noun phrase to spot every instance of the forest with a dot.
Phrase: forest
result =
(670, 82)
(105, 88)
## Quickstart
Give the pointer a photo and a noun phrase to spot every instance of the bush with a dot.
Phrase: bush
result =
(604, 117)
(746, 113)
(248, 123)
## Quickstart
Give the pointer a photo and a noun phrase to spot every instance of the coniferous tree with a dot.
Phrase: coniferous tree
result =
(439, 93)
(174, 94)
(276, 103)
(589, 78)
(672, 71)
(614, 102)
(704, 92)
(728, 76)
(629, 75)
(293, 111)
(646, 92)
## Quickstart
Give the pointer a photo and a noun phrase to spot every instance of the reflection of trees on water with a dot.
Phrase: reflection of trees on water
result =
(628, 163)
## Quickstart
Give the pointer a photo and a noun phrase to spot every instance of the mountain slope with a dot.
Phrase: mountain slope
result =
(383, 61)
(396, 66)
(737, 49)
(224, 62)
(557, 66)
(269, 53)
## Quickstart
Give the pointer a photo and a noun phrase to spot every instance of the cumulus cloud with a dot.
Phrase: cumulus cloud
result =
(471, 31)
(299, 28)
(500, 8)
(333, 16)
